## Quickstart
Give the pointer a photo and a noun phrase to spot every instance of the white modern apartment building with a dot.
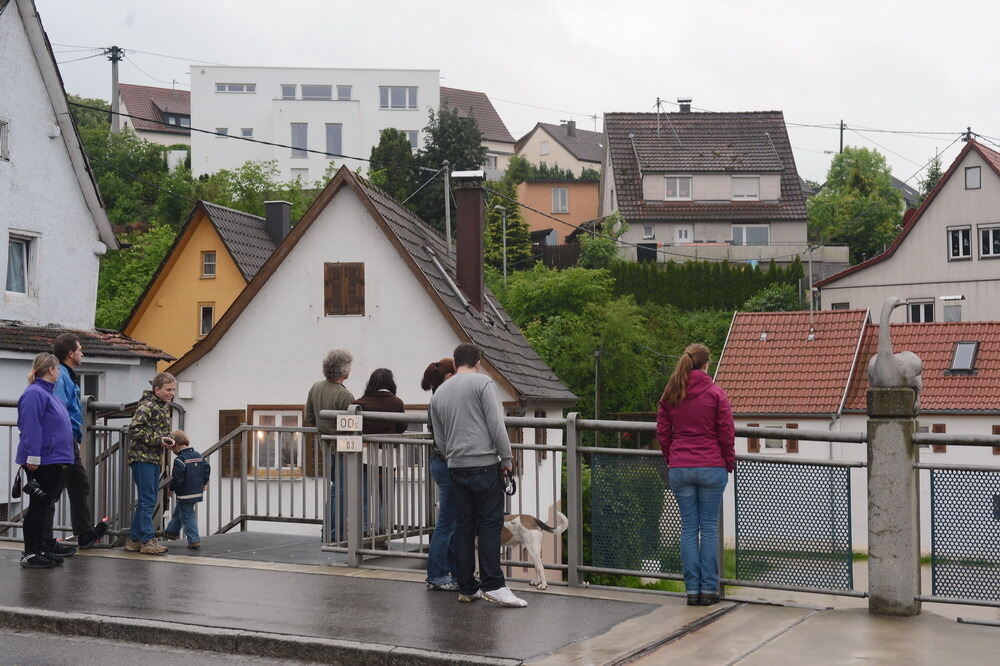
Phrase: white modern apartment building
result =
(337, 111)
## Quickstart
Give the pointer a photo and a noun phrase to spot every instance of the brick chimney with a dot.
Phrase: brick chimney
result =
(685, 104)
(470, 224)
(571, 127)
(277, 219)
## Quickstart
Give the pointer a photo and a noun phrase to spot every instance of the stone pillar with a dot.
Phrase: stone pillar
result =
(893, 504)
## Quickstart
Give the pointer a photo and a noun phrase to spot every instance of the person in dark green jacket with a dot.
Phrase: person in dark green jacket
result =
(150, 434)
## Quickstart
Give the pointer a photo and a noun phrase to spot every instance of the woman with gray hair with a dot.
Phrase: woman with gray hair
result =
(330, 393)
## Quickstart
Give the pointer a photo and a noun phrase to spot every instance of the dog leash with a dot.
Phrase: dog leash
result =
(509, 486)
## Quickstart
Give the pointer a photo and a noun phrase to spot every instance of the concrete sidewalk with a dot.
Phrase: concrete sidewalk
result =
(333, 614)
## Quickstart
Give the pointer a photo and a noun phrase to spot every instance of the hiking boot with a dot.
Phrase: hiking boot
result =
(469, 598)
(194, 545)
(133, 546)
(450, 586)
(171, 536)
(504, 597)
(36, 561)
(152, 547)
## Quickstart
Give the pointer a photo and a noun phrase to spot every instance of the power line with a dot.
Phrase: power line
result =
(163, 55)
(251, 139)
(889, 150)
(63, 62)
(425, 184)
(954, 141)
(140, 179)
(546, 108)
(134, 64)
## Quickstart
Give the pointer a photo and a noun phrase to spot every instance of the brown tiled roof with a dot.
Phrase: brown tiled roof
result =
(243, 234)
(99, 343)
(504, 346)
(743, 142)
(464, 101)
(787, 373)
(584, 145)
(152, 103)
(934, 343)
(990, 156)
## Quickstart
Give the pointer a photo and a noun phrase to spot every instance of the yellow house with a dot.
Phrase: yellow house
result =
(217, 252)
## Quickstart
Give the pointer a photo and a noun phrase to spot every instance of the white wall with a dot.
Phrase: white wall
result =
(40, 197)
(920, 267)
(554, 153)
(271, 117)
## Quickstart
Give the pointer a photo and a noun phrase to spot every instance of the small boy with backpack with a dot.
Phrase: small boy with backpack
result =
(188, 481)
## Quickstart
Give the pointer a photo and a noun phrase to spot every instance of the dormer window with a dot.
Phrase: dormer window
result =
(746, 188)
(677, 188)
(963, 360)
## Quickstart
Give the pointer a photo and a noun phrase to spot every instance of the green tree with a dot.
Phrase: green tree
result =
(518, 170)
(858, 205)
(590, 175)
(518, 235)
(392, 164)
(124, 273)
(90, 119)
(600, 250)
(931, 177)
(778, 297)
(455, 139)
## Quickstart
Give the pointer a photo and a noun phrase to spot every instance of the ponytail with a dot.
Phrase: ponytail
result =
(695, 357)
(436, 373)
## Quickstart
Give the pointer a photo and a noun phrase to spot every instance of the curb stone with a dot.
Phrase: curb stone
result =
(232, 641)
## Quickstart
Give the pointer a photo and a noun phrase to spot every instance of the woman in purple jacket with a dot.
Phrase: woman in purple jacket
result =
(695, 427)
(46, 451)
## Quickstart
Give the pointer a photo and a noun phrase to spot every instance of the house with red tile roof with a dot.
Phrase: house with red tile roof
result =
(497, 138)
(707, 186)
(945, 263)
(810, 371)
(159, 115)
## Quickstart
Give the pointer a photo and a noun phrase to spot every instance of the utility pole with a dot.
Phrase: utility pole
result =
(597, 390)
(115, 54)
(841, 136)
(503, 213)
(447, 205)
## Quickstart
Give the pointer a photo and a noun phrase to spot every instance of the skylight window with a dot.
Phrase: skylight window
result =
(964, 359)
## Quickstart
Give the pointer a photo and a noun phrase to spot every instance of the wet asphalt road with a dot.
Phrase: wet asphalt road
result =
(331, 606)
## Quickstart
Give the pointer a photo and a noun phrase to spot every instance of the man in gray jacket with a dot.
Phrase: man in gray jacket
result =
(467, 417)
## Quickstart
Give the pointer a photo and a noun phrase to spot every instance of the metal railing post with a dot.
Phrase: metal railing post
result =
(354, 513)
(574, 497)
(88, 452)
(124, 486)
(244, 485)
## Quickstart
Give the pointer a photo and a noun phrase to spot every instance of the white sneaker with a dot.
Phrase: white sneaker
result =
(504, 597)
(469, 598)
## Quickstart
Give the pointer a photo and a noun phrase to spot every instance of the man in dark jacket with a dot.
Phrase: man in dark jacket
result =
(188, 481)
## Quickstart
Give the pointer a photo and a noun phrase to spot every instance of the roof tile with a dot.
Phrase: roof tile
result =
(150, 102)
(98, 343)
(489, 121)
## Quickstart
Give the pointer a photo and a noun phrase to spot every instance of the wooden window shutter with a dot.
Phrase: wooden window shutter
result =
(792, 445)
(231, 454)
(996, 431)
(541, 437)
(938, 448)
(753, 443)
(343, 289)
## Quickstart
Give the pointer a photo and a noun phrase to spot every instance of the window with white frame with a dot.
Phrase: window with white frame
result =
(774, 444)
(89, 383)
(647, 232)
(300, 139)
(206, 318)
(18, 256)
(677, 187)
(491, 162)
(397, 97)
(321, 92)
(247, 132)
(277, 454)
(959, 243)
(543, 147)
(185, 121)
(221, 132)
(208, 264)
(963, 360)
(746, 188)
(413, 136)
(840, 306)
(334, 140)
(288, 90)
(4, 140)
(560, 200)
(973, 178)
(920, 311)
(235, 87)
(751, 234)
(989, 241)
(344, 93)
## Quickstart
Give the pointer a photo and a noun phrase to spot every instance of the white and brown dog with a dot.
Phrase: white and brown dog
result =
(524, 530)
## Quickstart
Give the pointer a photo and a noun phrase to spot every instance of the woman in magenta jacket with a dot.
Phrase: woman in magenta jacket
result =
(695, 427)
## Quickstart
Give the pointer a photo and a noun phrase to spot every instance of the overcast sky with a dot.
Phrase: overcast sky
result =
(905, 66)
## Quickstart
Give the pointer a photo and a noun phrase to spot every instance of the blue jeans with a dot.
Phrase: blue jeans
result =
(146, 477)
(186, 516)
(699, 497)
(441, 566)
(479, 503)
